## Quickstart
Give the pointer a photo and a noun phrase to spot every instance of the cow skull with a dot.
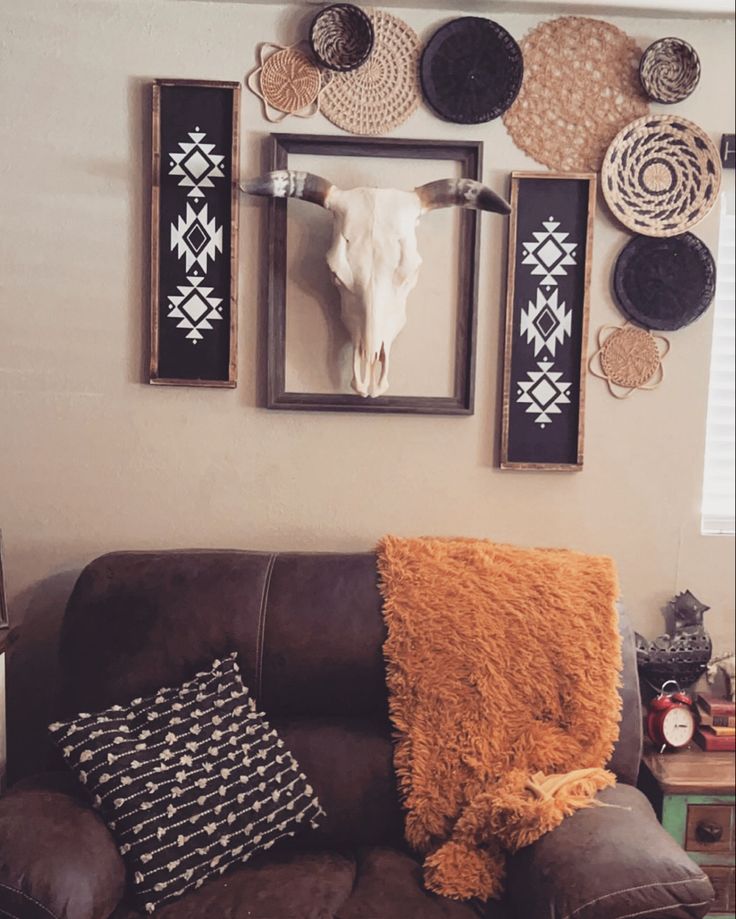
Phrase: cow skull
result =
(374, 258)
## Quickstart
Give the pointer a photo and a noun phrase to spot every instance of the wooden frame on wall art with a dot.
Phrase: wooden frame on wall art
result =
(194, 232)
(547, 310)
(283, 214)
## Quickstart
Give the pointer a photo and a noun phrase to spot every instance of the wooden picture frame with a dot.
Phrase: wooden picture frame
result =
(547, 316)
(460, 402)
(194, 233)
(4, 622)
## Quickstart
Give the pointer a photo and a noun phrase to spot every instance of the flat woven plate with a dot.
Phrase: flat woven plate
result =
(664, 283)
(669, 70)
(581, 86)
(661, 175)
(383, 92)
(471, 70)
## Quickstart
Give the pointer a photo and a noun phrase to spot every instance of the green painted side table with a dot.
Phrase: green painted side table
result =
(693, 794)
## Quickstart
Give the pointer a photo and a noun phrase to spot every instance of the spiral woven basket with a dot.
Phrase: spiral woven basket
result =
(341, 37)
(661, 175)
(630, 357)
(289, 81)
(669, 70)
(383, 92)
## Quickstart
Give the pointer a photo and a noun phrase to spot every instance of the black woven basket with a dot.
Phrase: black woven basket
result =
(341, 37)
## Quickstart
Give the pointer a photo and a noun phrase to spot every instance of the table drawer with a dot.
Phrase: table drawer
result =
(710, 828)
(722, 880)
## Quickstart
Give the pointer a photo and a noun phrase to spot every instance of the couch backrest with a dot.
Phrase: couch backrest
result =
(308, 630)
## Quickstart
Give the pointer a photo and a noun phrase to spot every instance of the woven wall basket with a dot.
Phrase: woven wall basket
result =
(664, 283)
(383, 92)
(581, 86)
(286, 81)
(341, 37)
(661, 175)
(628, 359)
(669, 70)
(471, 70)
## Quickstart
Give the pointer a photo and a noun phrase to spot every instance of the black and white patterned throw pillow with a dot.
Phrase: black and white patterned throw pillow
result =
(190, 780)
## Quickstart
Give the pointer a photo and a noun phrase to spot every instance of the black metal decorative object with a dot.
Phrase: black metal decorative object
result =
(471, 70)
(341, 37)
(681, 656)
(669, 70)
(194, 232)
(664, 283)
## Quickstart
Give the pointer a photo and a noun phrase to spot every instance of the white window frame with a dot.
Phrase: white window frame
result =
(717, 511)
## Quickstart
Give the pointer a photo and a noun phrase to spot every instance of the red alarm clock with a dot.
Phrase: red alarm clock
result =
(670, 719)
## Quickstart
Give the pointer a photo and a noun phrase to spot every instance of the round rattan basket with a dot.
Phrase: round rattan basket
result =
(383, 92)
(341, 37)
(661, 175)
(669, 70)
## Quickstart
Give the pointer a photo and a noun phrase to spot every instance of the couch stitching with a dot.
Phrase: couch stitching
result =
(28, 897)
(262, 624)
(615, 893)
(657, 909)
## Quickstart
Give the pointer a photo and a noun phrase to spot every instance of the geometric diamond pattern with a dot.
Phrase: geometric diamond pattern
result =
(548, 253)
(194, 308)
(544, 392)
(196, 238)
(546, 322)
(196, 164)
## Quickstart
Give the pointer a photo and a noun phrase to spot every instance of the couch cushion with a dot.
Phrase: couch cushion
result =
(191, 780)
(285, 885)
(350, 763)
(389, 885)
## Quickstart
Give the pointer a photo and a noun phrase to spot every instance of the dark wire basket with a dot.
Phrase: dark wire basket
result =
(683, 657)
(341, 37)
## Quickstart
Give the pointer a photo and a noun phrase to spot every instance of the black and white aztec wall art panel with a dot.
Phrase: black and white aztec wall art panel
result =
(549, 262)
(194, 230)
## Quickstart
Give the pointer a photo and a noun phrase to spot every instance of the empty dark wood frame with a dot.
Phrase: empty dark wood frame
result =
(460, 401)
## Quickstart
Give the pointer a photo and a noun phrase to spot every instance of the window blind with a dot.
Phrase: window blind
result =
(719, 498)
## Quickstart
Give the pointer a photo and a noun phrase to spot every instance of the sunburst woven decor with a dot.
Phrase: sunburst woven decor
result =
(383, 92)
(661, 175)
(287, 82)
(628, 358)
(581, 86)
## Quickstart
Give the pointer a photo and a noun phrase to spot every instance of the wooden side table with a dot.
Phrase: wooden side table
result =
(694, 795)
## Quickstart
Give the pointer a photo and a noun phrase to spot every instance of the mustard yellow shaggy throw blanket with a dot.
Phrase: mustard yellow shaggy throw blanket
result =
(503, 671)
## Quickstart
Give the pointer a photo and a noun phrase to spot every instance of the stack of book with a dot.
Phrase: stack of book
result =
(716, 723)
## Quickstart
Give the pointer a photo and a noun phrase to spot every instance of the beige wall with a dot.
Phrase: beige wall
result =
(93, 459)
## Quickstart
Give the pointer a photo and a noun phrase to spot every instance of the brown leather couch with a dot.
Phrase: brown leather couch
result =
(309, 631)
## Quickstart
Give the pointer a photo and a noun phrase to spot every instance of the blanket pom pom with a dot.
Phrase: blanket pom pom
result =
(460, 871)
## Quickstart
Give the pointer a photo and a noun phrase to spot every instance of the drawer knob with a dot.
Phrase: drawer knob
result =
(709, 832)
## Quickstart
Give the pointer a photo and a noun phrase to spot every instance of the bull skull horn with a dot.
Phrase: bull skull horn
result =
(461, 192)
(285, 183)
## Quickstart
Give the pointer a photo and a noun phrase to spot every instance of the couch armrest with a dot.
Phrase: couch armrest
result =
(608, 863)
(58, 860)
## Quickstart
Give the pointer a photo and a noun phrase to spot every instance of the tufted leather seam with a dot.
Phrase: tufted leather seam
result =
(27, 897)
(262, 624)
(616, 893)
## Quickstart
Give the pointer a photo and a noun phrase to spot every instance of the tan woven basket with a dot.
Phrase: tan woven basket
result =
(383, 92)
(661, 175)
(287, 82)
(581, 86)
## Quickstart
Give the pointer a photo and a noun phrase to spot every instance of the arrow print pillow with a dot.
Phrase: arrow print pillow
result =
(191, 781)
